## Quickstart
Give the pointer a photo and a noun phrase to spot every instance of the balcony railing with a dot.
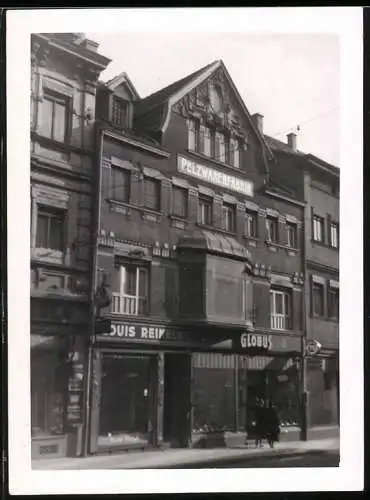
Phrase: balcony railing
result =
(128, 304)
(278, 322)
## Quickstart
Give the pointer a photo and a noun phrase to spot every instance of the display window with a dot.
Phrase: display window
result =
(49, 384)
(126, 416)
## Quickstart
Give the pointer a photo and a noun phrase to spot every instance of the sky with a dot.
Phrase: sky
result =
(291, 79)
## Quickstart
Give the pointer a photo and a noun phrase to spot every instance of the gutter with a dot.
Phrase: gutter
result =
(94, 282)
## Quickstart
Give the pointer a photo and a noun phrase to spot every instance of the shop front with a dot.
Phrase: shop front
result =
(57, 354)
(169, 385)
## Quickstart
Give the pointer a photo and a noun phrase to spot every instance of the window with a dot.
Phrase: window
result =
(280, 307)
(205, 210)
(333, 302)
(179, 201)
(220, 150)
(334, 235)
(152, 194)
(234, 153)
(317, 299)
(132, 297)
(120, 184)
(119, 112)
(318, 228)
(54, 116)
(228, 217)
(50, 228)
(205, 141)
(192, 135)
(272, 229)
(291, 235)
(250, 228)
(49, 383)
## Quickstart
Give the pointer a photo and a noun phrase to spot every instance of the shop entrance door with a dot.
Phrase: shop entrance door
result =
(177, 400)
(125, 415)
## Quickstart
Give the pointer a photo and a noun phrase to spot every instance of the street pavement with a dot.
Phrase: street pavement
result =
(311, 459)
(195, 458)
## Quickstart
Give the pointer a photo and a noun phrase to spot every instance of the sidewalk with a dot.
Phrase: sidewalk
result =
(174, 457)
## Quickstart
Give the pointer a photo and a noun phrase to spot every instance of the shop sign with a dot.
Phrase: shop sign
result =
(207, 174)
(131, 331)
(256, 341)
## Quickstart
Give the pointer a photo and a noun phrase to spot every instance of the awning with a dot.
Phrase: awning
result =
(213, 242)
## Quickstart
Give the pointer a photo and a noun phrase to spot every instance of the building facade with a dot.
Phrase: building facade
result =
(202, 252)
(65, 68)
(318, 183)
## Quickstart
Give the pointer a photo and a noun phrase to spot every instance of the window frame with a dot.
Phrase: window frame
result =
(234, 153)
(123, 107)
(317, 219)
(229, 209)
(253, 217)
(57, 98)
(204, 200)
(185, 193)
(193, 131)
(125, 187)
(334, 225)
(315, 287)
(333, 291)
(275, 222)
(286, 315)
(137, 295)
(48, 212)
(158, 184)
(292, 226)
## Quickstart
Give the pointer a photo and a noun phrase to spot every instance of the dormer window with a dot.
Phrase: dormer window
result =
(119, 112)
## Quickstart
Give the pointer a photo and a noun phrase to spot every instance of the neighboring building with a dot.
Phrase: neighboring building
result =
(203, 251)
(65, 68)
(318, 183)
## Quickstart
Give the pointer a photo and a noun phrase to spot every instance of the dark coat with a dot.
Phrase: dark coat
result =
(271, 423)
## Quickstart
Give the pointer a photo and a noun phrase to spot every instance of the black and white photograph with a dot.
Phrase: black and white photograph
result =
(189, 207)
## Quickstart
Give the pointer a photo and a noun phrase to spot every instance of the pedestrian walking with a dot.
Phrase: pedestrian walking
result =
(272, 424)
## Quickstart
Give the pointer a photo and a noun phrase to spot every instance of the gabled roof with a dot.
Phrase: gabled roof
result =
(118, 80)
(163, 95)
(314, 160)
(156, 107)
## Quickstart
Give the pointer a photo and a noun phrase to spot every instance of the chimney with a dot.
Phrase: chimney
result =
(257, 119)
(89, 45)
(292, 141)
